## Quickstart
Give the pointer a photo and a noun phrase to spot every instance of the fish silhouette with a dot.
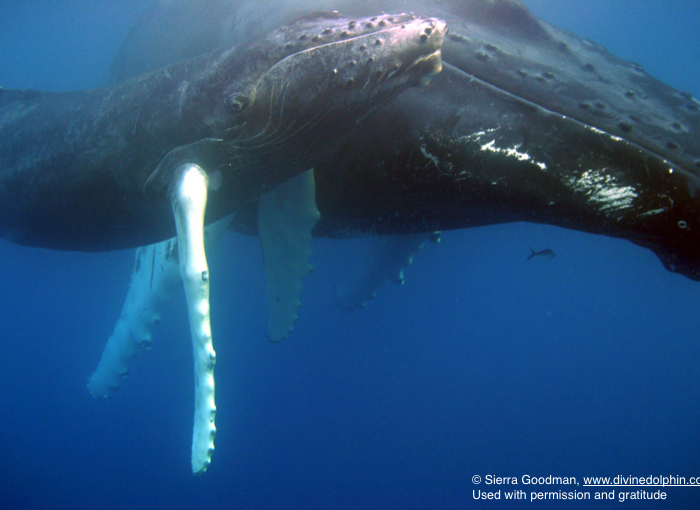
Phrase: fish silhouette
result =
(544, 254)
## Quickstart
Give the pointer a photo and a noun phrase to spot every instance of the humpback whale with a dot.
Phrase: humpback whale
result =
(525, 123)
(109, 168)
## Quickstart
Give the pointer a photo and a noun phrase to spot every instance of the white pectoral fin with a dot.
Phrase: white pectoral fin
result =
(155, 277)
(189, 201)
(388, 258)
(156, 273)
(286, 216)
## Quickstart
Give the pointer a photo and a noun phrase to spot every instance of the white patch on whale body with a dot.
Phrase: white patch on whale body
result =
(603, 190)
(432, 157)
(184, 90)
(512, 152)
(482, 133)
(653, 212)
(596, 130)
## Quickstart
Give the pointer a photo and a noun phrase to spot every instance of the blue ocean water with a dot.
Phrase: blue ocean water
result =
(481, 364)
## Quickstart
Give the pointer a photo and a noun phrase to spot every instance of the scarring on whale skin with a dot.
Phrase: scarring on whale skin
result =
(109, 168)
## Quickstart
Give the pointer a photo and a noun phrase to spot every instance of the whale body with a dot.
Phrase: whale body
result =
(527, 122)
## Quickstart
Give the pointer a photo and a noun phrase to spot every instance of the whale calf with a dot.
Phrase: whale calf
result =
(110, 168)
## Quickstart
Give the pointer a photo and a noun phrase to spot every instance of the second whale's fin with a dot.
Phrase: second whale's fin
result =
(387, 260)
(286, 216)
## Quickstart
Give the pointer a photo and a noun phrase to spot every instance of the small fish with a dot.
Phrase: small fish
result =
(544, 254)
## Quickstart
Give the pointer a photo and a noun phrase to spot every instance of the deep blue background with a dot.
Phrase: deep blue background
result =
(585, 365)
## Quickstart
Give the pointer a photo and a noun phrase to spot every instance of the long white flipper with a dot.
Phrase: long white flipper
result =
(189, 204)
(155, 276)
(388, 259)
(286, 216)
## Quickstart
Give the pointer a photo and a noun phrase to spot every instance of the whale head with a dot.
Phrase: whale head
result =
(270, 110)
(330, 74)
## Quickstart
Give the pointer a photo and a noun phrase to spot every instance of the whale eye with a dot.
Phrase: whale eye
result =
(236, 103)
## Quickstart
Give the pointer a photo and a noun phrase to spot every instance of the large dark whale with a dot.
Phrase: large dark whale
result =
(526, 123)
(109, 168)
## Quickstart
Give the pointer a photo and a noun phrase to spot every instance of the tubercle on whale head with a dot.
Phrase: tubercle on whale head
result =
(235, 83)
(338, 71)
